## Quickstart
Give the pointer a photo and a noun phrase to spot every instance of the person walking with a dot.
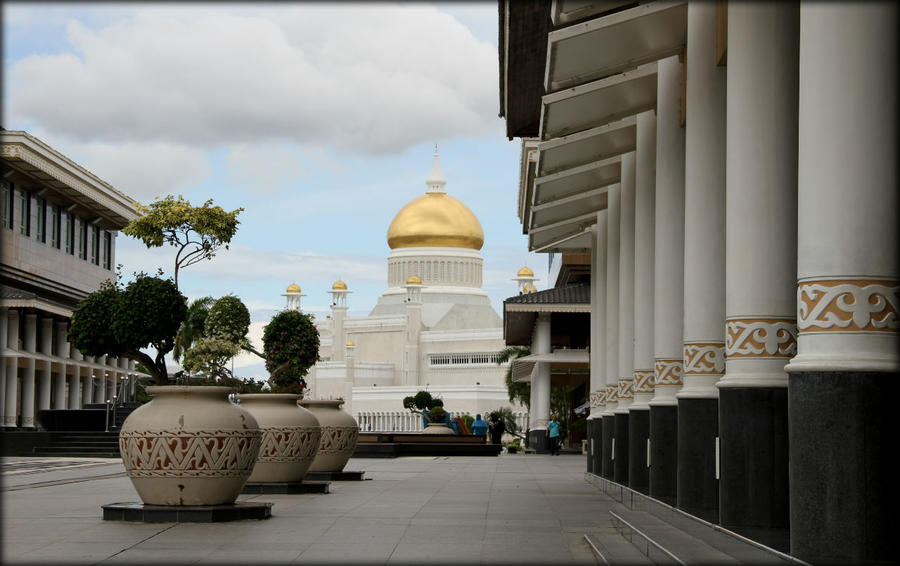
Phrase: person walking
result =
(497, 428)
(553, 435)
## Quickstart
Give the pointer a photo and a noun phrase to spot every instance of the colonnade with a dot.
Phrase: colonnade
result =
(41, 370)
(746, 281)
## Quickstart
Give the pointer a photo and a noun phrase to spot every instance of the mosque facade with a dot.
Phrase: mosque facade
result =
(432, 329)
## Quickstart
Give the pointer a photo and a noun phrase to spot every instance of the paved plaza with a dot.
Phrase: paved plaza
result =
(459, 510)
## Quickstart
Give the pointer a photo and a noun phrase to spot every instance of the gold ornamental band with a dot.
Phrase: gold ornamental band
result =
(643, 381)
(668, 372)
(626, 389)
(598, 398)
(848, 305)
(763, 337)
(612, 393)
(704, 358)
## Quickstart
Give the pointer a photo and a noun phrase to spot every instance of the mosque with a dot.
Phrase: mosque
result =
(432, 329)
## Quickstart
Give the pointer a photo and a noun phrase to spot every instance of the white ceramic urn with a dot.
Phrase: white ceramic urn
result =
(189, 446)
(339, 434)
(290, 436)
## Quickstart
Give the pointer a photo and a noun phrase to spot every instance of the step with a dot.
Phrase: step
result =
(83, 449)
(663, 543)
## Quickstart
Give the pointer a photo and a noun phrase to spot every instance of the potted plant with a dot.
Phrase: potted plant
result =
(514, 446)
(189, 445)
(432, 411)
(291, 434)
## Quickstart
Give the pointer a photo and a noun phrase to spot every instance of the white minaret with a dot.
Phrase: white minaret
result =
(413, 328)
(293, 295)
(525, 278)
(339, 294)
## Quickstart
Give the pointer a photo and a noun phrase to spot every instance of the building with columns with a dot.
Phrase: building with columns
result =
(59, 230)
(432, 329)
(731, 169)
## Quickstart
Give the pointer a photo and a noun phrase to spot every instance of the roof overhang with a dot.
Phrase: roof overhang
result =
(598, 102)
(35, 158)
(523, 29)
(587, 147)
(523, 368)
(566, 12)
(611, 44)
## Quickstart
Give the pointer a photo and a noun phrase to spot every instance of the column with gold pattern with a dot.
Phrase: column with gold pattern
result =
(598, 344)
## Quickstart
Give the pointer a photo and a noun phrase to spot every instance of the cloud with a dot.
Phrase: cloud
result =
(263, 169)
(371, 79)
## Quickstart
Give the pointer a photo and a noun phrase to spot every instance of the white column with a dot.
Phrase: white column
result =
(45, 379)
(668, 288)
(612, 300)
(626, 285)
(704, 226)
(761, 194)
(598, 318)
(540, 378)
(849, 257)
(28, 394)
(644, 228)
(338, 338)
(63, 350)
(4, 336)
(12, 372)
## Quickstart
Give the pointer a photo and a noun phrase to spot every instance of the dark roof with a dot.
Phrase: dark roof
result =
(576, 293)
(526, 45)
(13, 293)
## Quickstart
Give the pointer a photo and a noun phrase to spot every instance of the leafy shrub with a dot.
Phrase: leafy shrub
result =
(228, 319)
(290, 348)
(437, 414)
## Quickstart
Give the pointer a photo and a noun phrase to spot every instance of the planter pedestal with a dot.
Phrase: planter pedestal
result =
(286, 488)
(141, 513)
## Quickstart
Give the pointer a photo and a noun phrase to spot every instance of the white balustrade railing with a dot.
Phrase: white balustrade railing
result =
(404, 421)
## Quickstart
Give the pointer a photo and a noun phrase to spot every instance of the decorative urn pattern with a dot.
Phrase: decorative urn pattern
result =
(189, 446)
(290, 436)
(339, 434)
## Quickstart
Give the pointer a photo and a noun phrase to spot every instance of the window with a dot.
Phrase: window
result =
(7, 205)
(40, 227)
(70, 233)
(24, 212)
(95, 245)
(469, 359)
(107, 251)
(55, 226)
(82, 237)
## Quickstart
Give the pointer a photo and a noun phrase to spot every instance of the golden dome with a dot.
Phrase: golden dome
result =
(435, 219)
(525, 272)
(529, 289)
(351, 344)
(339, 286)
(293, 288)
(414, 280)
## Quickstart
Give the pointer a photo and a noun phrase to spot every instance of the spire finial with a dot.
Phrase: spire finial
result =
(435, 180)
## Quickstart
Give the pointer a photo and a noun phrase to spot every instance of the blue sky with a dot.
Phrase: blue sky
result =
(318, 120)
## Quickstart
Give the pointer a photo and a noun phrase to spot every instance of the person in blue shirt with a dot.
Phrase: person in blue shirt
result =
(553, 435)
(479, 426)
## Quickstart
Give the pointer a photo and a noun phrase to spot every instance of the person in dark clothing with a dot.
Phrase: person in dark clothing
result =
(497, 428)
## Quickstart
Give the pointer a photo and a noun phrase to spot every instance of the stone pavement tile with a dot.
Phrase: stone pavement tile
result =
(364, 531)
(270, 553)
(512, 523)
(346, 553)
(422, 552)
(385, 510)
(505, 553)
(460, 535)
(72, 552)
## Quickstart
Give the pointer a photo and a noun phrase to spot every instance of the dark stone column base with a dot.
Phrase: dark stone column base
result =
(842, 443)
(620, 462)
(753, 456)
(664, 453)
(638, 433)
(609, 432)
(698, 488)
(537, 441)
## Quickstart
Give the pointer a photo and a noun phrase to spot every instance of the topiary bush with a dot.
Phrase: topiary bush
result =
(437, 414)
(228, 319)
(290, 348)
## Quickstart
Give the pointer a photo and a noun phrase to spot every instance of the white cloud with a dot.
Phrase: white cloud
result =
(263, 169)
(368, 78)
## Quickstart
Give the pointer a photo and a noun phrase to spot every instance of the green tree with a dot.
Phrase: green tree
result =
(210, 356)
(228, 319)
(290, 348)
(114, 321)
(192, 328)
(197, 231)
(519, 392)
